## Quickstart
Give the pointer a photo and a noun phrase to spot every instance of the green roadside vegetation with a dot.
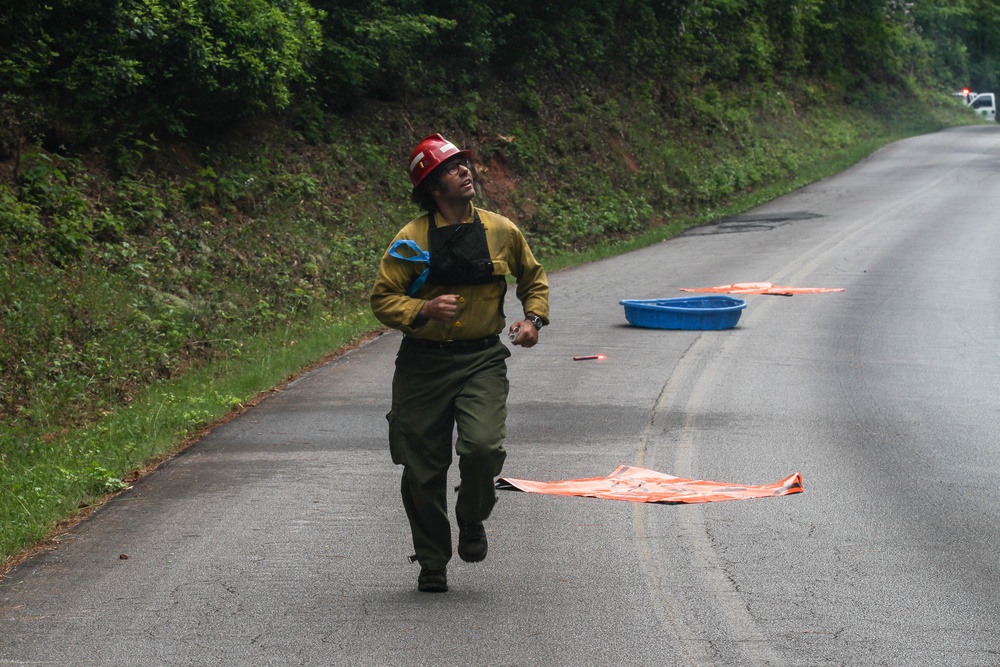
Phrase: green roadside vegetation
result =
(175, 244)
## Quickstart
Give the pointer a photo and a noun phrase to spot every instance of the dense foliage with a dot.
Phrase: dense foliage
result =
(103, 67)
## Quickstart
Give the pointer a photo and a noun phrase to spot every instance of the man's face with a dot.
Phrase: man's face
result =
(455, 182)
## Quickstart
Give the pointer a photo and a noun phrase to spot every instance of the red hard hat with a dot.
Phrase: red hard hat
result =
(429, 153)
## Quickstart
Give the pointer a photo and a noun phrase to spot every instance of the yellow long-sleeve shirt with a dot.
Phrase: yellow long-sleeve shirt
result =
(479, 312)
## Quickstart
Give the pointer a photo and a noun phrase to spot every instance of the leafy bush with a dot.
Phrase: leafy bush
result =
(47, 184)
(379, 47)
(20, 221)
(182, 64)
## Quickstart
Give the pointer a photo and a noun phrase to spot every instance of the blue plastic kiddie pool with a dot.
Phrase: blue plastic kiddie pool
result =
(689, 312)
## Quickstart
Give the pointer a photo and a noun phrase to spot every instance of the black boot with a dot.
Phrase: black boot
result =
(472, 543)
(432, 581)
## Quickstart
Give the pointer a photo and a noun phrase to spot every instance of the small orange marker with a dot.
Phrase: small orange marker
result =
(586, 357)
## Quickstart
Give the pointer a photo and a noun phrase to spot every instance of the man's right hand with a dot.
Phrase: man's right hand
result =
(443, 308)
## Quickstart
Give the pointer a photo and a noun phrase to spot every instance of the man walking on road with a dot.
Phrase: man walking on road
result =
(442, 283)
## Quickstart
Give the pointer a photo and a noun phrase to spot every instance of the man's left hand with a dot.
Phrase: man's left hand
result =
(527, 334)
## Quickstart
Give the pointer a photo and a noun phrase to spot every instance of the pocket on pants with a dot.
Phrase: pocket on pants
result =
(396, 450)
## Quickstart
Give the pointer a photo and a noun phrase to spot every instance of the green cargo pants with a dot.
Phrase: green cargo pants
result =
(433, 392)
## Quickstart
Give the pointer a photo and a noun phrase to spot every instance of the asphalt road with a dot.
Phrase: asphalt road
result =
(280, 539)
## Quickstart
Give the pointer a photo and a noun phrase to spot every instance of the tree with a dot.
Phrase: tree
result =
(119, 64)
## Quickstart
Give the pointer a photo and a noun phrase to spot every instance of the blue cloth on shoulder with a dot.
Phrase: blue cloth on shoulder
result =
(420, 255)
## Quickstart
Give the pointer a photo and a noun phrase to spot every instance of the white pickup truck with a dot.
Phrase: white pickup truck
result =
(984, 104)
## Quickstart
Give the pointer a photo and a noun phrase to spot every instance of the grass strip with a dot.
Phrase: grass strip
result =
(50, 480)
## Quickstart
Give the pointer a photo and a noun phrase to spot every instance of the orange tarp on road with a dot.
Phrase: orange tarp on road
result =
(648, 486)
(762, 288)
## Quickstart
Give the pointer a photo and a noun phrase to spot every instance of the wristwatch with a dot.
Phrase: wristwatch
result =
(536, 320)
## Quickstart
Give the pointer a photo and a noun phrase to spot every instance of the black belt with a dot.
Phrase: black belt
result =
(466, 345)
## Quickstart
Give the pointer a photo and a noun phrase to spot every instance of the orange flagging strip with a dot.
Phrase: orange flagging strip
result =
(648, 486)
(762, 288)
